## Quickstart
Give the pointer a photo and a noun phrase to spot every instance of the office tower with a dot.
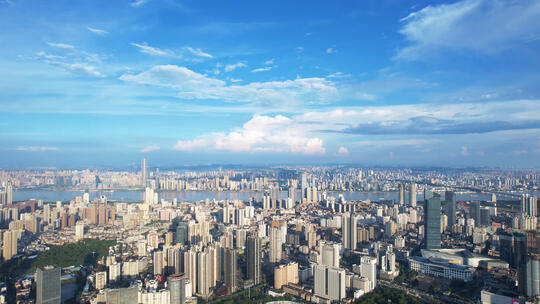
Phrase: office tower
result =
(401, 192)
(368, 269)
(474, 213)
(274, 197)
(432, 214)
(253, 259)
(513, 248)
(9, 241)
(48, 285)
(450, 207)
(230, 271)
(349, 232)
(176, 286)
(79, 231)
(47, 214)
(330, 254)
(144, 174)
(266, 200)
(329, 282)
(412, 194)
(304, 184)
(101, 280)
(181, 235)
(427, 194)
(275, 245)
(485, 217)
(529, 276)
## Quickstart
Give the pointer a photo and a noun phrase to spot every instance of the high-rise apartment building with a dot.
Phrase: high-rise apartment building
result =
(275, 245)
(329, 283)
(412, 194)
(401, 192)
(144, 174)
(230, 270)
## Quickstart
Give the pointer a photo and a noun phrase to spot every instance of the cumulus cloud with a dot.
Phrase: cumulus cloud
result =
(343, 151)
(330, 50)
(37, 149)
(97, 31)
(199, 52)
(260, 134)
(485, 26)
(193, 85)
(234, 66)
(145, 48)
(150, 148)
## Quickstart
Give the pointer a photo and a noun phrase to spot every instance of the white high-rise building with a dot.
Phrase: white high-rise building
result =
(330, 254)
(368, 269)
(275, 245)
(79, 231)
(329, 282)
(144, 174)
(412, 194)
(101, 280)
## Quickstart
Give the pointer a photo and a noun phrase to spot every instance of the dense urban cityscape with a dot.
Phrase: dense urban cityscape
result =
(438, 235)
(282, 152)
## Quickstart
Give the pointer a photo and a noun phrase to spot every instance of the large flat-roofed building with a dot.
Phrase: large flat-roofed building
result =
(441, 268)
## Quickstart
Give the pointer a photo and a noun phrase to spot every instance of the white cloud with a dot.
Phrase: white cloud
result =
(37, 149)
(61, 46)
(330, 50)
(343, 151)
(269, 62)
(261, 69)
(520, 152)
(485, 26)
(192, 85)
(144, 48)
(464, 151)
(150, 148)
(97, 31)
(199, 52)
(234, 66)
(260, 134)
(138, 3)
(77, 68)
(299, 49)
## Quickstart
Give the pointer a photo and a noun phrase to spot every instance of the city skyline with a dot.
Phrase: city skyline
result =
(413, 83)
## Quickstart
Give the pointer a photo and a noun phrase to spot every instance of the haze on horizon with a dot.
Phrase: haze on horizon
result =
(408, 83)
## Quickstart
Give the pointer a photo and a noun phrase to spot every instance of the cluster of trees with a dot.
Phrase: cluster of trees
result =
(388, 295)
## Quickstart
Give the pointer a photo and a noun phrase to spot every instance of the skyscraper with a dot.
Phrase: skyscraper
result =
(144, 174)
(412, 194)
(275, 245)
(48, 285)
(176, 286)
(529, 205)
(253, 258)
(401, 194)
(474, 213)
(432, 214)
(450, 207)
(349, 232)
(329, 282)
(529, 277)
(230, 271)
(9, 241)
(368, 269)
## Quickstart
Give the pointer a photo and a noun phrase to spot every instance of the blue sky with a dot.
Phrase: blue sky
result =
(408, 83)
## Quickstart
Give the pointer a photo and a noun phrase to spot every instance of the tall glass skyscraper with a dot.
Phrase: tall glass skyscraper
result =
(176, 287)
(432, 213)
(48, 285)
(450, 207)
